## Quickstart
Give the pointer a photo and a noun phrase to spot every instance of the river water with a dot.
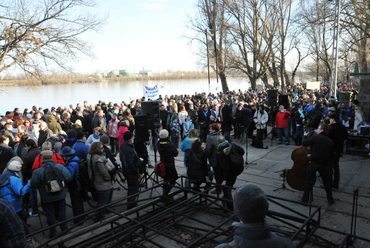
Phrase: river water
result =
(62, 95)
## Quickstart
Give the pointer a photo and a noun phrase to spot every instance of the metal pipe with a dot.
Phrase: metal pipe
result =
(209, 76)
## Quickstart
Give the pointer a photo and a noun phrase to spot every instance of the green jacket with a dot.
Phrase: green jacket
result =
(38, 182)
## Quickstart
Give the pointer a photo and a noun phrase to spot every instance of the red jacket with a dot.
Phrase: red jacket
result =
(282, 119)
(57, 158)
(121, 131)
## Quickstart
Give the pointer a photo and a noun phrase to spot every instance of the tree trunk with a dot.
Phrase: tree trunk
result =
(253, 82)
(224, 85)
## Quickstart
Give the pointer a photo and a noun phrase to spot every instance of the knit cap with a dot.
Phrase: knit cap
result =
(163, 134)
(250, 203)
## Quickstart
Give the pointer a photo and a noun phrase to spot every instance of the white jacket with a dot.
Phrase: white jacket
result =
(260, 119)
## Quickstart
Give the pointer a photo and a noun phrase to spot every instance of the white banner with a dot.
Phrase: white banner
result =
(151, 92)
(313, 86)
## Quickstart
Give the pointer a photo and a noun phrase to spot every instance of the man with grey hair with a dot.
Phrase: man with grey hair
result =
(251, 206)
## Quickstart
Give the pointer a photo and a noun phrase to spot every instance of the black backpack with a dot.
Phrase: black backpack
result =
(236, 160)
(86, 181)
(53, 179)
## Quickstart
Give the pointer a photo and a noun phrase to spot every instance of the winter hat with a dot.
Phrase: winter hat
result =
(223, 145)
(250, 203)
(16, 158)
(163, 134)
(14, 165)
(104, 139)
(67, 151)
(127, 136)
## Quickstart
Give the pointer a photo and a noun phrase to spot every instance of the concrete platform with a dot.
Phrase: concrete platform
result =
(264, 169)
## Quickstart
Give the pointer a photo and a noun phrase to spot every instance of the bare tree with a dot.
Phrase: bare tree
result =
(211, 19)
(355, 25)
(317, 32)
(247, 27)
(39, 33)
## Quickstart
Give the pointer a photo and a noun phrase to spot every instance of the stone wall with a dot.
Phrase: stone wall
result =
(364, 97)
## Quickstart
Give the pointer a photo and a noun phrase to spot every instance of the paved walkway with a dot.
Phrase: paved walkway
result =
(265, 167)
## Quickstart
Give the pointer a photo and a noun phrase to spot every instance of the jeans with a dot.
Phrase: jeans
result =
(33, 196)
(283, 132)
(102, 197)
(114, 145)
(77, 204)
(55, 212)
(298, 134)
(132, 189)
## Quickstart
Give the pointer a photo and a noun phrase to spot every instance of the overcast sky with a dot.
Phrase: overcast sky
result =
(141, 34)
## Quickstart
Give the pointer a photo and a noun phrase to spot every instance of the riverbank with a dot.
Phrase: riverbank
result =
(61, 79)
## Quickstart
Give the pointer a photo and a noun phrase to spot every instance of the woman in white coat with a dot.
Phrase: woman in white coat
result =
(260, 118)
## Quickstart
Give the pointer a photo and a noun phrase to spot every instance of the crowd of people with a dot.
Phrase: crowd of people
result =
(42, 150)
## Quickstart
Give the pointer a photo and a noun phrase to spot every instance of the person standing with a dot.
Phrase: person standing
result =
(130, 165)
(12, 230)
(225, 149)
(213, 139)
(282, 124)
(53, 203)
(102, 179)
(198, 171)
(167, 152)
(260, 118)
(320, 161)
(226, 120)
(73, 165)
(113, 133)
(6, 152)
(338, 134)
(251, 206)
(12, 188)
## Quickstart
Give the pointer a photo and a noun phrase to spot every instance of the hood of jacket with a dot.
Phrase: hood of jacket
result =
(252, 231)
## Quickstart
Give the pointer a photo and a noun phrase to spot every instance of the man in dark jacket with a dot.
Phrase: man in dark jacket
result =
(251, 207)
(11, 227)
(53, 204)
(130, 164)
(226, 120)
(167, 152)
(224, 164)
(338, 134)
(6, 152)
(320, 160)
(72, 163)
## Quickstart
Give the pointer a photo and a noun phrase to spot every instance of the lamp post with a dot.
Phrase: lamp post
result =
(334, 71)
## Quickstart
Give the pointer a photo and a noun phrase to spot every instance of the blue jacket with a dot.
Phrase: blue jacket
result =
(37, 181)
(81, 149)
(12, 189)
(73, 166)
(257, 235)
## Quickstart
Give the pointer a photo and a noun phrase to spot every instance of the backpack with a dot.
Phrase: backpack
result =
(53, 179)
(160, 169)
(236, 161)
(86, 181)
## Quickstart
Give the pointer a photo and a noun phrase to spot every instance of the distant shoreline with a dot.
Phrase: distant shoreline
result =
(82, 79)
